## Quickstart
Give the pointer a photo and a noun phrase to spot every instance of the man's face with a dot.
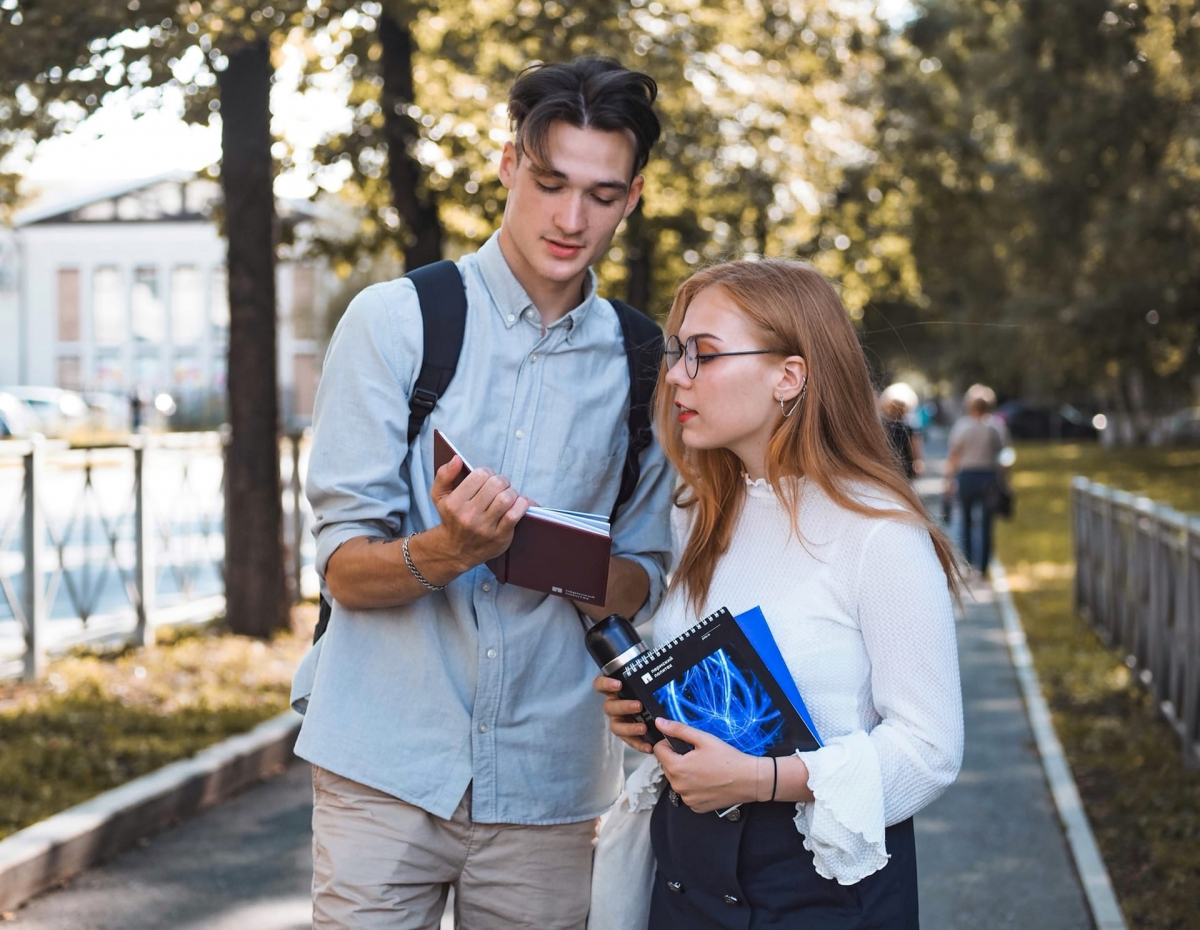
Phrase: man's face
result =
(561, 216)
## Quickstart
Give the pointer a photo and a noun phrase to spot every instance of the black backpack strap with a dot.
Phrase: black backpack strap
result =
(443, 300)
(643, 351)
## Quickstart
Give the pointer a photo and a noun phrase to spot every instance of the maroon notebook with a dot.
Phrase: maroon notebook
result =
(558, 552)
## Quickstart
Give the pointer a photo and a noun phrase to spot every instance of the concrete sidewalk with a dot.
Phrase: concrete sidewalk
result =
(991, 852)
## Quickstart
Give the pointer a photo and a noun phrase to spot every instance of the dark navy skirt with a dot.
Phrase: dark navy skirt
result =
(753, 873)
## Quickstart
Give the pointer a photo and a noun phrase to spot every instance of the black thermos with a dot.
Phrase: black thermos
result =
(613, 643)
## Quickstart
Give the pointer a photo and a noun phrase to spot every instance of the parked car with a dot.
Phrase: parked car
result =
(1027, 421)
(108, 413)
(16, 420)
(1183, 426)
(58, 413)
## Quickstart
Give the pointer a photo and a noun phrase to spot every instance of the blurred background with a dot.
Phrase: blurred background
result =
(1005, 192)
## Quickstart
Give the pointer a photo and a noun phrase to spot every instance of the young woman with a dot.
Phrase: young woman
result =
(973, 469)
(790, 499)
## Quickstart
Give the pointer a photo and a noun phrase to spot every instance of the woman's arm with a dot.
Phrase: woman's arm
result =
(907, 622)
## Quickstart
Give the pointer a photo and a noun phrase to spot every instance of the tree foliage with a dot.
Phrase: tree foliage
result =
(1040, 159)
(1004, 189)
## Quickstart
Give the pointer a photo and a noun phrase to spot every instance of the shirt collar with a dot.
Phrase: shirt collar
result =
(509, 296)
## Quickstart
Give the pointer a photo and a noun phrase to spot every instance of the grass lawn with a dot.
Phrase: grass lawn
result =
(1143, 805)
(96, 721)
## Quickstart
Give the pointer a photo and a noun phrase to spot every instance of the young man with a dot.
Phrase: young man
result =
(454, 735)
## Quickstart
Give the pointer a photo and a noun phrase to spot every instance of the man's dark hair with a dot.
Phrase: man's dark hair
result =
(588, 93)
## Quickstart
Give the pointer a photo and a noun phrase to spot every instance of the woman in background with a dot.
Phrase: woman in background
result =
(896, 403)
(973, 469)
(790, 499)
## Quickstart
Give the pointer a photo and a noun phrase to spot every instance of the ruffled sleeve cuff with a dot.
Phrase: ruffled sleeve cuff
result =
(644, 784)
(843, 826)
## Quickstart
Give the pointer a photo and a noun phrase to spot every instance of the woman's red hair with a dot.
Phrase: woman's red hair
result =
(835, 438)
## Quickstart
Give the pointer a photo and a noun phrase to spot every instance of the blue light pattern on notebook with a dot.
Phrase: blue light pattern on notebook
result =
(718, 697)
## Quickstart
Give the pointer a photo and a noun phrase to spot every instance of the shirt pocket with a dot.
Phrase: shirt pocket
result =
(587, 465)
(593, 472)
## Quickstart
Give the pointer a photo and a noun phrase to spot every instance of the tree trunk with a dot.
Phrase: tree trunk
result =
(422, 233)
(639, 256)
(255, 585)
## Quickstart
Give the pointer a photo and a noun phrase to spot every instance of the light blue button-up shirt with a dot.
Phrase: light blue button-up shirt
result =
(483, 684)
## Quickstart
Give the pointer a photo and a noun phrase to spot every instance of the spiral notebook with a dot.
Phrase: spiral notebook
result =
(725, 676)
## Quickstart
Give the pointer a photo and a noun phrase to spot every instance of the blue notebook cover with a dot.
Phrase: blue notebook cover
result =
(754, 625)
(728, 678)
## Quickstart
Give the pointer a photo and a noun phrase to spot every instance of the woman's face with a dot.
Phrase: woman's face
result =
(731, 403)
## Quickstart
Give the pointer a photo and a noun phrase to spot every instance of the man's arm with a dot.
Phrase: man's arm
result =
(478, 519)
(354, 484)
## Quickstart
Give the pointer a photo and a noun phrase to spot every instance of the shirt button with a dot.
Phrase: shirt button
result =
(512, 318)
(483, 728)
(487, 586)
(520, 434)
(673, 797)
(734, 815)
(491, 653)
(732, 899)
(532, 359)
(676, 887)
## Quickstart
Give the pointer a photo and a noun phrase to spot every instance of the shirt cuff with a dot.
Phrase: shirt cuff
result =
(333, 537)
(644, 784)
(843, 826)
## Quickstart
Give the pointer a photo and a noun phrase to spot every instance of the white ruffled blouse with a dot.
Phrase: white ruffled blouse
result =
(862, 613)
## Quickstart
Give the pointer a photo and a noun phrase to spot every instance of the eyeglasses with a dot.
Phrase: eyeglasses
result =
(674, 350)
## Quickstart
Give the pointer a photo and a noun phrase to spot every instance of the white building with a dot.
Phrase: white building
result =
(125, 289)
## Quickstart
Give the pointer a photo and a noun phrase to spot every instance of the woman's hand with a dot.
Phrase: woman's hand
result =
(714, 775)
(621, 719)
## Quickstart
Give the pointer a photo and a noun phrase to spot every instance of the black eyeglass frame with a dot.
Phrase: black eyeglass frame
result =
(692, 361)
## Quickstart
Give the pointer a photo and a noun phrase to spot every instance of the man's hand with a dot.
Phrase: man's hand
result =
(621, 719)
(714, 775)
(478, 516)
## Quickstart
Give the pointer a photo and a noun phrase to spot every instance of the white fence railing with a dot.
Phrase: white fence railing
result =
(106, 542)
(1137, 581)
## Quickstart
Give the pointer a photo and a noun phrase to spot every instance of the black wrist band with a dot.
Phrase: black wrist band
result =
(774, 777)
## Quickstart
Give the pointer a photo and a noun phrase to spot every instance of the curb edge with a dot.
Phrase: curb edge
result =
(1093, 874)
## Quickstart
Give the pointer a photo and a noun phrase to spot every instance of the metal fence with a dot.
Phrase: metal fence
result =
(107, 542)
(1137, 581)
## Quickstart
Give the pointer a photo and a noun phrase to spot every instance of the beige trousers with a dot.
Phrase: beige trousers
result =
(380, 862)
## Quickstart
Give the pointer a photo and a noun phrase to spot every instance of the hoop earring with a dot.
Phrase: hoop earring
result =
(803, 391)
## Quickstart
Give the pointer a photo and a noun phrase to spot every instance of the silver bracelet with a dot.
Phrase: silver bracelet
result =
(416, 574)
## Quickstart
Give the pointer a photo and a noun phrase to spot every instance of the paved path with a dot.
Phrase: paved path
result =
(991, 853)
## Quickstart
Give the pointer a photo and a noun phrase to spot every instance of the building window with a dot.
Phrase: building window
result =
(68, 304)
(149, 315)
(218, 306)
(187, 373)
(108, 307)
(70, 373)
(148, 369)
(109, 372)
(187, 306)
(303, 302)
